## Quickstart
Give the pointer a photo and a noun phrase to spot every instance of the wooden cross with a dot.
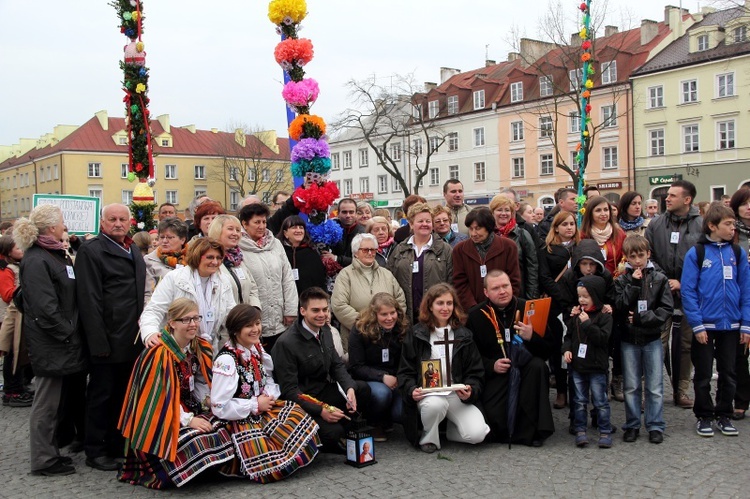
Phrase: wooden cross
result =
(447, 342)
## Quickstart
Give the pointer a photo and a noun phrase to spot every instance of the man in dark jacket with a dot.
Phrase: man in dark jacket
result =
(670, 236)
(566, 200)
(111, 277)
(342, 251)
(306, 364)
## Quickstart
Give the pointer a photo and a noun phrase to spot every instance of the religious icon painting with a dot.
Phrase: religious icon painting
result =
(431, 374)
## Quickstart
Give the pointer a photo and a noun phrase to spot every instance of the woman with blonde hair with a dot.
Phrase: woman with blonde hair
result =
(227, 231)
(364, 213)
(50, 328)
(374, 354)
(441, 222)
(383, 231)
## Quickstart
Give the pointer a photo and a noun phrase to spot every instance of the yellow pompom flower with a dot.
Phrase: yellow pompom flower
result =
(583, 33)
(589, 83)
(289, 10)
(139, 46)
(134, 15)
(140, 88)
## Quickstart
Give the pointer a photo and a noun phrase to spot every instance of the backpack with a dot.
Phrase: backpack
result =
(700, 253)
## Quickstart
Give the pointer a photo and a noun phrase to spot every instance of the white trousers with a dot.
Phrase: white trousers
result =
(465, 421)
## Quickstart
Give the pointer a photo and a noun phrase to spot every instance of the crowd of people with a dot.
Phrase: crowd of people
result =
(236, 345)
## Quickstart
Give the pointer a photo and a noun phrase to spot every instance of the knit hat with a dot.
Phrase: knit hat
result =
(596, 287)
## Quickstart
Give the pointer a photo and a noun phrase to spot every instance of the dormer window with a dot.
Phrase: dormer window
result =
(702, 43)
(740, 34)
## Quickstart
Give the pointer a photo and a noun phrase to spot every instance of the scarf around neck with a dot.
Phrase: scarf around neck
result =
(172, 258)
(631, 225)
(742, 228)
(601, 236)
(48, 242)
(233, 256)
(504, 231)
(484, 246)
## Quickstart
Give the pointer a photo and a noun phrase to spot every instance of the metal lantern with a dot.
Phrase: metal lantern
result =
(360, 447)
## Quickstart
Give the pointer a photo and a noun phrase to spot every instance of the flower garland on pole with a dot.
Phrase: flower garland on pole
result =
(586, 85)
(310, 155)
(137, 121)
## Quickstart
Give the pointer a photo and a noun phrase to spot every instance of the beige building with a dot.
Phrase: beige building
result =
(92, 160)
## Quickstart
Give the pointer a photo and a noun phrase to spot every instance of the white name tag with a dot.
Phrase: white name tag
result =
(582, 350)
(191, 383)
(210, 315)
(674, 238)
(71, 272)
(178, 266)
(454, 227)
(482, 270)
(728, 272)
(563, 364)
(604, 253)
(642, 307)
(295, 274)
(385, 355)
(507, 335)
(240, 273)
(415, 267)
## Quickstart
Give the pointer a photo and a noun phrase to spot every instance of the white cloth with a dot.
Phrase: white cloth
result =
(225, 380)
(438, 351)
(465, 421)
(179, 284)
(418, 251)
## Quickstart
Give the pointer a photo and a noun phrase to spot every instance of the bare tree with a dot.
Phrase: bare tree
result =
(246, 164)
(396, 125)
(556, 60)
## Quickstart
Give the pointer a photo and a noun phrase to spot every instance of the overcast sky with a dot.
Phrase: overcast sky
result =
(212, 62)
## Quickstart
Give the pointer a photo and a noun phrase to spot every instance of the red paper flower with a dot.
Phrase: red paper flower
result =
(139, 167)
(583, 7)
(315, 197)
(586, 45)
(588, 108)
(294, 50)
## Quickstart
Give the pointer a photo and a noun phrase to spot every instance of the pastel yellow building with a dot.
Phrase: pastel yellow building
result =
(91, 160)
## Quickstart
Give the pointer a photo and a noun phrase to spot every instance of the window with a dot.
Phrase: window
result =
(434, 144)
(127, 196)
(655, 97)
(171, 197)
(95, 170)
(453, 171)
(96, 192)
(421, 180)
(279, 175)
(123, 141)
(336, 161)
(478, 137)
(234, 200)
(702, 43)
(364, 184)
(56, 173)
(453, 104)
(479, 99)
(265, 175)
(609, 72)
(689, 91)
(49, 175)
(416, 111)
(479, 172)
(545, 126)
(545, 86)
(725, 85)
(252, 174)
(574, 119)
(690, 138)
(432, 108)
(453, 141)
(574, 161)
(516, 130)
(396, 152)
(396, 186)
(519, 169)
(575, 75)
(338, 184)
(740, 34)
(199, 172)
(124, 170)
(364, 158)
(726, 134)
(609, 158)
(170, 172)
(199, 191)
(434, 176)
(609, 116)
(417, 150)
(232, 173)
(347, 160)
(382, 184)
(516, 91)
(347, 187)
(546, 165)
(656, 141)
(165, 142)
(717, 192)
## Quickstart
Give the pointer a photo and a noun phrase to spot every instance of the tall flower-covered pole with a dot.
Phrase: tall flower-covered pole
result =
(586, 84)
(310, 155)
(137, 122)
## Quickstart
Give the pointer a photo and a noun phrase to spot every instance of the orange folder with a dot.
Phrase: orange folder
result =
(536, 313)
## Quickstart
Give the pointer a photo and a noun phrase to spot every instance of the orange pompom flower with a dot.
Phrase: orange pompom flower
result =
(307, 126)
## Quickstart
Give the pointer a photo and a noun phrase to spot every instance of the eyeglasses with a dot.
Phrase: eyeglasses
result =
(188, 320)
(169, 238)
(368, 250)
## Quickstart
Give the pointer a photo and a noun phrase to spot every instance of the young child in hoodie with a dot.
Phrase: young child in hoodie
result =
(586, 351)
(643, 296)
(716, 302)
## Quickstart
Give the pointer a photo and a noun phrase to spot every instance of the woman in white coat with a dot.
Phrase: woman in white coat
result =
(201, 282)
(266, 258)
(226, 229)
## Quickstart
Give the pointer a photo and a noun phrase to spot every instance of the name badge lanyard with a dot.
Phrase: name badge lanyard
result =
(582, 347)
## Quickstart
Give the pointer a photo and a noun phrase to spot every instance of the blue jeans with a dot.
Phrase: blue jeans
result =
(643, 360)
(597, 383)
(386, 405)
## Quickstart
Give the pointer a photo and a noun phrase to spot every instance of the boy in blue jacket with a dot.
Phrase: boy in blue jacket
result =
(716, 300)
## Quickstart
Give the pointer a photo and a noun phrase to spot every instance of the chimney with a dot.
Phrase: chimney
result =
(649, 30)
(239, 137)
(531, 50)
(164, 121)
(103, 120)
(489, 62)
(512, 56)
(190, 128)
(575, 39)
(447, 73)
(269, 139)
(610, 30)
(214, 130)
(429, 85)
